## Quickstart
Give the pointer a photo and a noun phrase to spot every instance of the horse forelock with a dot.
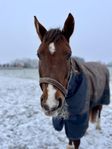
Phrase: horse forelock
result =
(53, 35)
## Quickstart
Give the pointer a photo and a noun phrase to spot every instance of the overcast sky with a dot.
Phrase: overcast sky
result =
(92, 38)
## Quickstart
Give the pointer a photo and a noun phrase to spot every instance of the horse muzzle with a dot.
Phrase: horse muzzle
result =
(53, 95)
(51, 110)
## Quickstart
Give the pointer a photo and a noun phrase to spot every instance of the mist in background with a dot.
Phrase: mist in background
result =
(91, 40)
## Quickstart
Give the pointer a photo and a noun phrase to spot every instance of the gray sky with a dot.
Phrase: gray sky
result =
(91, 40)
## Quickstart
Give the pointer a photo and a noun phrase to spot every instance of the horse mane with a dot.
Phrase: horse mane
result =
(53, 35)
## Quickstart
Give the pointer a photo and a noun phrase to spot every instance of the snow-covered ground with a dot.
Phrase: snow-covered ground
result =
(24, 126)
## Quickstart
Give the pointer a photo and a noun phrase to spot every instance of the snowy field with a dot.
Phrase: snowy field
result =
(24, 126)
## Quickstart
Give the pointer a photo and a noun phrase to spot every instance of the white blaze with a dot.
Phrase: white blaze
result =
(52, 48)
(51, 101)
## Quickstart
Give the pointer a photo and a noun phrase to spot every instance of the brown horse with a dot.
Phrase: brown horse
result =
(55, 66)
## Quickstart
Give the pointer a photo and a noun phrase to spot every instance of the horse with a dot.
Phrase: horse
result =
(73, 92)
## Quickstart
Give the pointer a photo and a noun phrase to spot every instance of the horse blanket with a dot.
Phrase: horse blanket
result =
(86, 89)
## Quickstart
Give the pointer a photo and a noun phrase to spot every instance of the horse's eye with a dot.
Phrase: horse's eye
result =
(38, 54)
(68, 56)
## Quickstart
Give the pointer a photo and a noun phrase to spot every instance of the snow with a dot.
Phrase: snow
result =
(23, 125)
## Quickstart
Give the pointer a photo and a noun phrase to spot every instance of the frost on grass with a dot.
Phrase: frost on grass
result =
(24, 126)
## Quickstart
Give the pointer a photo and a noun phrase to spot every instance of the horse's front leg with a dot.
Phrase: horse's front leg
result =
(76, 144)
(70, 145)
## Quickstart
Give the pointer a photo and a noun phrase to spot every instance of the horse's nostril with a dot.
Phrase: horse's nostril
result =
(43, 104)
(46, 107)
(42, 101)
(60, 102)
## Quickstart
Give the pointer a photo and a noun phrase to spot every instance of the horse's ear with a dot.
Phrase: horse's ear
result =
(68, 27)
(41, 31)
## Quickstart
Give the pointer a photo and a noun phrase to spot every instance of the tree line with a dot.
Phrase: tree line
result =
(21, 63)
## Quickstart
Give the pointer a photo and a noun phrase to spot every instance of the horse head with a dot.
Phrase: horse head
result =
(54, 55)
